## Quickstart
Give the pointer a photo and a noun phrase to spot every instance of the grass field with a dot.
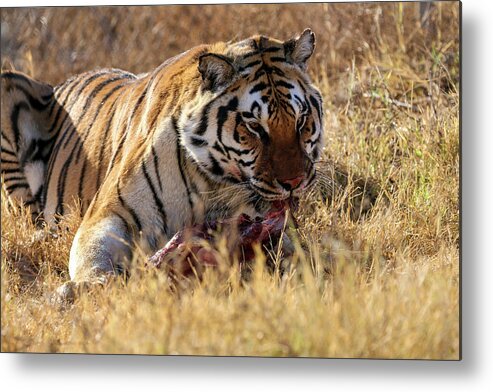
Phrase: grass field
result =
(385, 285)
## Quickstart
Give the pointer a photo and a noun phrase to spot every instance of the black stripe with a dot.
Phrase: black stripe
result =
(231, 179)
(155, 159)
(218, 148)
(283, 83)
(10, 179)
(157, 200)
(265, 69)
(287, 96)
(13, 187)
(35, 104)
(28, 202)
(48, 97)
(93, 77)
(4, 161)
(277, 59)
(255, 105)
(302, 87)
(179, 161)
(216, 168)
(315, 153)
(93, 203)
(271, 49)
(301, 104)
(159, 108)
(128, 208)
(81, 184)
(15, 76)
(259, 87)
(247, 163)
(34, 152)
(222, 115)
(7, 171)
(248, 55)
(61, 188)
(315, 103)
(204, 119)
(44, 147)
(237, 151)
(315, 141)
(261, 133)
(5, 137)
(52, 106)
(115, 155)
(247, 115)
(198, 142)
(239, 119)
(32, 149)
(250, 64)
(59, 90)
(138, 103)
(8, 152)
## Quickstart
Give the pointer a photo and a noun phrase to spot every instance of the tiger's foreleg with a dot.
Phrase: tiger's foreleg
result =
(100, 251)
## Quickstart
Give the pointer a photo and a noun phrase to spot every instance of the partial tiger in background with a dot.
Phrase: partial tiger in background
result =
(27, 137)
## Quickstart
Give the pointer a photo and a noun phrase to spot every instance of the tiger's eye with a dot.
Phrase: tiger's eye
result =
(259, 131)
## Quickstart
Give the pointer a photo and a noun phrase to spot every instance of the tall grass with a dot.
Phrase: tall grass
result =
(385, 285)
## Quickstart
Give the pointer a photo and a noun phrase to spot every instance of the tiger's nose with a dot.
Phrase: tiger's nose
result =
(290, 183)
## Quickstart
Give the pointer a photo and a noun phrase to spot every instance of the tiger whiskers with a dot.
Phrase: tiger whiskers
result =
(225, 199)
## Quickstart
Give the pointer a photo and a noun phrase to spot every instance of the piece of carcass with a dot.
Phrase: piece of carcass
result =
(191, 248)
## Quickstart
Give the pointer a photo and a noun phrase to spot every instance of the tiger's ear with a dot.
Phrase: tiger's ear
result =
(298, 50)
(217, 71)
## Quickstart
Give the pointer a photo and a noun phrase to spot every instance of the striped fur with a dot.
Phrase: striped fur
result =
(26, 137)
(218, 130)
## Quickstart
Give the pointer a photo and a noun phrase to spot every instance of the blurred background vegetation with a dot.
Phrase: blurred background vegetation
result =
(53, 43)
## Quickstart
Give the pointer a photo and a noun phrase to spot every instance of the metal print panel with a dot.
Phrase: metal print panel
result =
(232, 180)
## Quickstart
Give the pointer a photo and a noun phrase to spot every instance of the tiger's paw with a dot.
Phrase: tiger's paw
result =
(70, 291)
(66, 294)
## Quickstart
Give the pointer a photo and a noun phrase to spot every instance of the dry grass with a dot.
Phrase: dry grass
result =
(385, 286)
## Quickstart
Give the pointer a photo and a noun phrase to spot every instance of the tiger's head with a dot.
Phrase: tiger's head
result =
(258, 120)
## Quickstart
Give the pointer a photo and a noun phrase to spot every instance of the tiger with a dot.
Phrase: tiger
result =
(219, 130)
(25, 141)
